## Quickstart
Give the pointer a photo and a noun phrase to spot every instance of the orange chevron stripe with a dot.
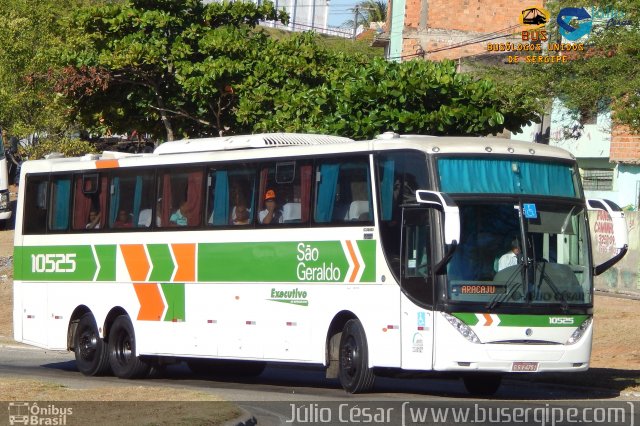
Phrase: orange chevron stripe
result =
(356, 268)
(185, 255)
(107, 164)
(151, 303)
(488, 319)
(136, 260)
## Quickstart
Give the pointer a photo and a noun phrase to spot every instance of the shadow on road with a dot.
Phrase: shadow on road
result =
(602, 383)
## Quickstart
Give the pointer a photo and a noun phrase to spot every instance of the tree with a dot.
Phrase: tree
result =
(184, 68)
(140, 63)
(29, 31)
(302, 87)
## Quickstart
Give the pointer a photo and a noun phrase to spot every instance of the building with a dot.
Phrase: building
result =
(462, 30)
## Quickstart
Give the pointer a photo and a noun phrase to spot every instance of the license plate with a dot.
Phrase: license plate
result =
(524, 367)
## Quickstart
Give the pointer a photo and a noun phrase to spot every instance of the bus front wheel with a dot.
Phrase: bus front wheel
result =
(122, 351)
(482, 384)
(355, 375)
(92, 355)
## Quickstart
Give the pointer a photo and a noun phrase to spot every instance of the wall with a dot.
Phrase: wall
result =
(439, 24)
(624, 277)
(624, 145)
(592, 141)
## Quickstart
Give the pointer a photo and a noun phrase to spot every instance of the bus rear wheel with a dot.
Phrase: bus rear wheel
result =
(354, 373)
(92, 355)
(122, 351)
(482, 384)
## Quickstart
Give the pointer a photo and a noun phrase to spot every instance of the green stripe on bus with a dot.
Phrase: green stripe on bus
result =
(57, 263)
(162, 262)
(368, 252)
(174, 295)
(107, 258)
(309, 261)
(514, 320)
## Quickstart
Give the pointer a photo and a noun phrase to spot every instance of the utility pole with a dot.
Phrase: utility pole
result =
(355, 21)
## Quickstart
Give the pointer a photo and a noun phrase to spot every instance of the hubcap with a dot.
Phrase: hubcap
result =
(88, 345)
(350, 356)
(123, 349)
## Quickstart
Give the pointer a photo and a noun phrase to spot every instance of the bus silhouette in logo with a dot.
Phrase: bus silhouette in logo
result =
(534, 16)
(18, 413)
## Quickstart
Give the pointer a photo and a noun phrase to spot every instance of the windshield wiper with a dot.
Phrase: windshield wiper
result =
(556, 291)
(511, 286)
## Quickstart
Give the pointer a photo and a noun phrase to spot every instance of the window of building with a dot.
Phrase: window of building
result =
(597, 179)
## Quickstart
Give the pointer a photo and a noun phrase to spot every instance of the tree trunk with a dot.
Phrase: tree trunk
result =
(164, 117)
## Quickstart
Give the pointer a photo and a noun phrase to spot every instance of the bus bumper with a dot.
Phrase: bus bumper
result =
(453, 352)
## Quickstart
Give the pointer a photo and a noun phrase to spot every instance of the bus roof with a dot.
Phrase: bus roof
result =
(289, 144)
(264, 140)
(471, 145)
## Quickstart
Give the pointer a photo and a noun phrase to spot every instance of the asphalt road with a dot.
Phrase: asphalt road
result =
(281, 393)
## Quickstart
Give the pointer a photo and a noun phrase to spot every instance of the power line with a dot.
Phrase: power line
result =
(485, 37)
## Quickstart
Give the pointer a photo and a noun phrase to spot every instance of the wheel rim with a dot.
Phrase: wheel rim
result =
(350, 357)
(88, 344)
(123, 349)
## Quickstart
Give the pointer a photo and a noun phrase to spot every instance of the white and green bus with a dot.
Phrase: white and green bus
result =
(382, 255)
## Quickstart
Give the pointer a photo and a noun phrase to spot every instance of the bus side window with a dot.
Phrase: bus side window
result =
(59, 202)
(180, 197)
(290, 183)
(343, 192)
(131, 198)
(35, 222)
(90, 200)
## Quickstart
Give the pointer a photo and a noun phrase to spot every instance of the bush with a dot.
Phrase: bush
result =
(66, 146)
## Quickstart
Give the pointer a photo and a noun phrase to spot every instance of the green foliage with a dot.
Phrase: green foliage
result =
(29, 32)
(178, 68)
(67, 146)
(321, 91)
(170, 65)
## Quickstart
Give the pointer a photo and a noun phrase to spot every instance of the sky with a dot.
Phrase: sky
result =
(340, 11)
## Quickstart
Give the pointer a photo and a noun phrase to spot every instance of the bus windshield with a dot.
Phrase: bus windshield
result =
(539, 256)
(507, 176)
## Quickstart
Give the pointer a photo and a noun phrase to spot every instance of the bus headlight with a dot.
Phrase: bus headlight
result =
(462, 328)
(579, 332)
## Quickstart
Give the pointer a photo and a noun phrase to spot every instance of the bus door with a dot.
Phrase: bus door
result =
(416, 281)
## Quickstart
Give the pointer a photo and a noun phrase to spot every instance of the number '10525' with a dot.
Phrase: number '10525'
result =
(53, 262)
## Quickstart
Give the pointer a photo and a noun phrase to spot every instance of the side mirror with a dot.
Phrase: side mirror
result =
(620, 232)
(444, 203)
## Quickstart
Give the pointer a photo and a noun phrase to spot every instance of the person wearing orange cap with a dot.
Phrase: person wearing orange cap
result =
(271, 213)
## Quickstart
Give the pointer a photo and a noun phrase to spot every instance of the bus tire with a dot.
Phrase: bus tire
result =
(354, 373)
(91, 351)
(122, 351)
(482, 384)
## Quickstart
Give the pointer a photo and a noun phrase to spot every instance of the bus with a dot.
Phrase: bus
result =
(5, 203)
(380, 257)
